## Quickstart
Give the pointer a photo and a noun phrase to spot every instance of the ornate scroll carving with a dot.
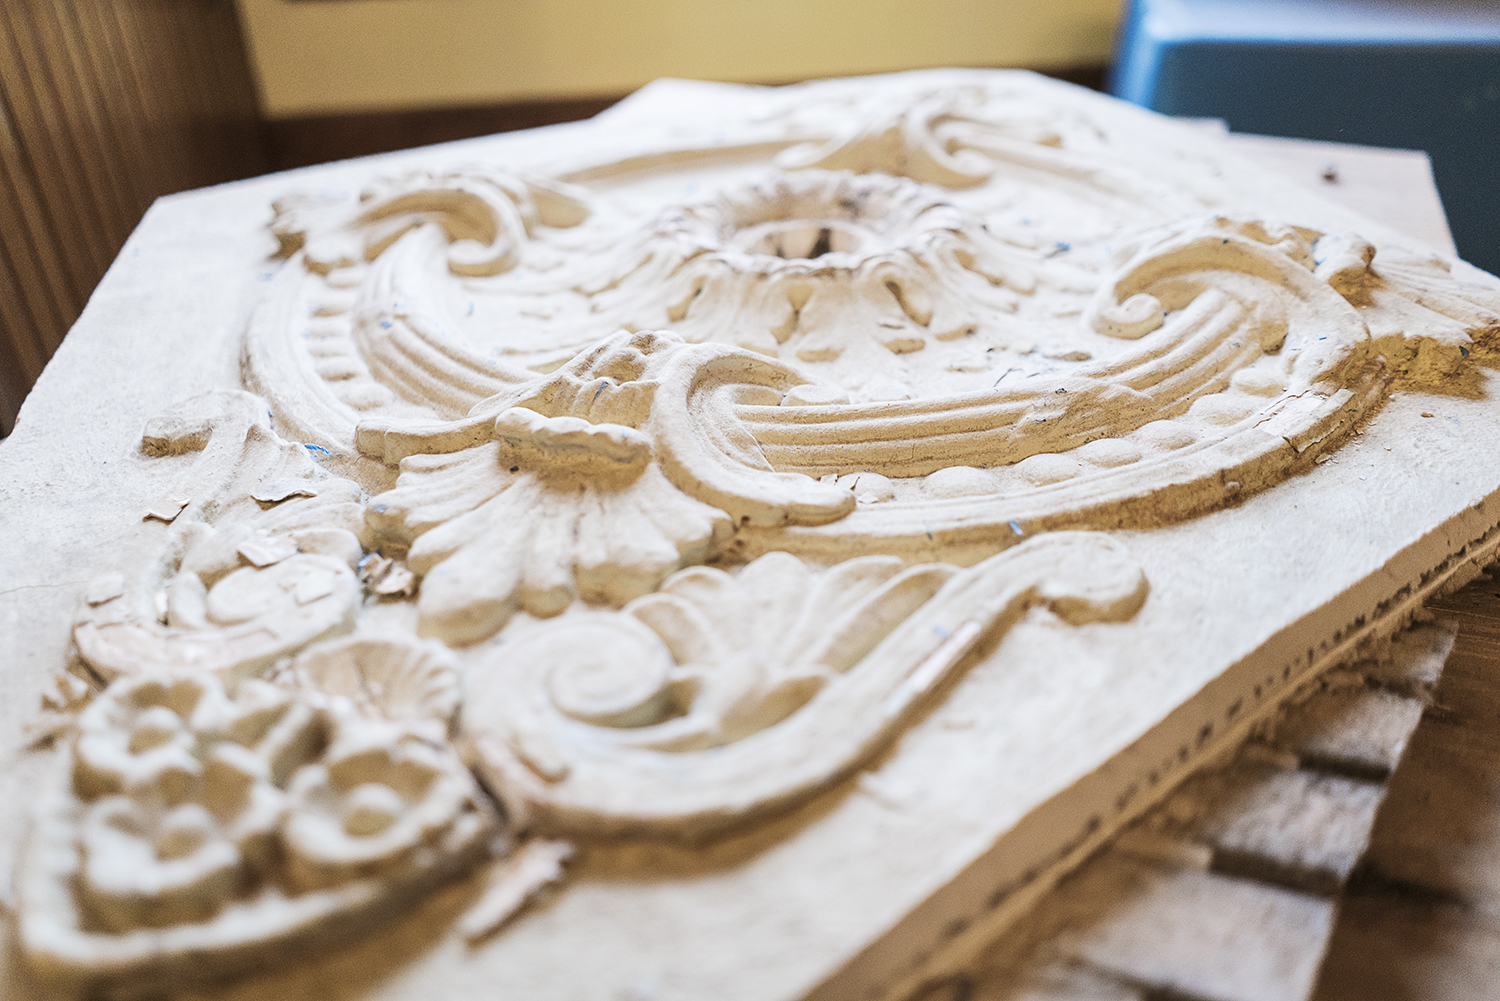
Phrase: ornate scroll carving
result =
(810, 265)
(689, 459)
(207, 829)
(258, 555)
(720, 697)
(570, 499)
(487, 215)
(364, 350)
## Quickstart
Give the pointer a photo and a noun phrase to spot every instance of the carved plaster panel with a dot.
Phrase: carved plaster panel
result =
(657, 496)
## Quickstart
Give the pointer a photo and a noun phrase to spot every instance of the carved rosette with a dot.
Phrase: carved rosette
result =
(206, 828)
(705, 475)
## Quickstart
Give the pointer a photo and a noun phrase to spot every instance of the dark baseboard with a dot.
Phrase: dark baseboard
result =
(299, 142)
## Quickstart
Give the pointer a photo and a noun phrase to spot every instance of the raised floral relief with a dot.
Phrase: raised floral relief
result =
(669, 491)
(258, 556)
(207, 828)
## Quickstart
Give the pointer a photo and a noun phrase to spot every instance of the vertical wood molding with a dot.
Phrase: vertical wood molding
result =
(104, 107)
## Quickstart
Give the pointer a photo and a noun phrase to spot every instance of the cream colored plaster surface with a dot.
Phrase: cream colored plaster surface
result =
(1393, 185)
(816, 518)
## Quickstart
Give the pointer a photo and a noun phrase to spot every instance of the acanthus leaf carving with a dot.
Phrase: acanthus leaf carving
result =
(594, 493)
(722, 697)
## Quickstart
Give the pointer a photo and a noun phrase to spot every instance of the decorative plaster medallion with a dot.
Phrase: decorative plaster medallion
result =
(670, 490)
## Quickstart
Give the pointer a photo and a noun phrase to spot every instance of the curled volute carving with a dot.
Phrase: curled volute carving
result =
(257, 557)
(721, 464)
(486, 215)
(595, 483)
(852, 324)
(723, 697)
(205, 828)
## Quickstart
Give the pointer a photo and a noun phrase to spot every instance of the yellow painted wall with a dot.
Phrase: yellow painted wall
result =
(345, 55)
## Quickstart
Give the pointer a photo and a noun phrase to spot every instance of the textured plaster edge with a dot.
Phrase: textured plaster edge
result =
(951, 928)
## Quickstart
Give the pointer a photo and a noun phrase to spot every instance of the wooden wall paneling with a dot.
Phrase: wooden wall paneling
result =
(56, 140)
(43, 280)
(177, 42)
(26, 348)
(30, 176)
(160, 96)
(85, 137)
(107, 105)
(17, 332)
(223, 124)
(239, 109)
(96, 37)
(117, 24)
(67, 23)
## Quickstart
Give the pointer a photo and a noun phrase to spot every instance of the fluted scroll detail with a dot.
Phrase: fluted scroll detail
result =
(723, 697)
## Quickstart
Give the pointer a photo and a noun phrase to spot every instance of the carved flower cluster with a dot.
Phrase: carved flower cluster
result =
(192, 799)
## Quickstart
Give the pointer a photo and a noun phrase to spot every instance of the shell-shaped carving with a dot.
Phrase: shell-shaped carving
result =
(725, 696)
(390, 677)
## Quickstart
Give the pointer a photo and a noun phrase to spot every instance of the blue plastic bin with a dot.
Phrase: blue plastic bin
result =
(1413, 75)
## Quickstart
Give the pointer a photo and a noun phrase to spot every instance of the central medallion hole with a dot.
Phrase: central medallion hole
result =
(801, 239)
